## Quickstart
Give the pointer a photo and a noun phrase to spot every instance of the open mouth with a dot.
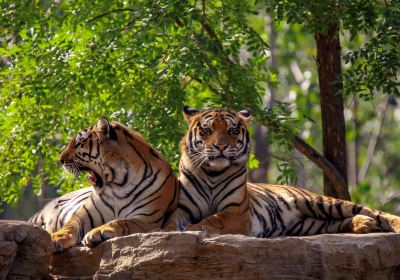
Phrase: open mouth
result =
(93, 178)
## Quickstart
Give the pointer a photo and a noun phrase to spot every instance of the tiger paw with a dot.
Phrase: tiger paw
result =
(203, 228)
(62, 240)
(196, 227)
(395, 224)
(98, 235)
(363, 224)
(168, 227)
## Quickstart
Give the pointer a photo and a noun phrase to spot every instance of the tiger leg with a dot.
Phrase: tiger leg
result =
(232, 220)
(69, 235)
(311, 226)
(224, 223)
(328, 208)
(80, 223)
(178, 221)
(386, 221)
(116, 228)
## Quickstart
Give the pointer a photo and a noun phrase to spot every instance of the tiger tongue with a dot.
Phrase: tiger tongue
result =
(92, 178)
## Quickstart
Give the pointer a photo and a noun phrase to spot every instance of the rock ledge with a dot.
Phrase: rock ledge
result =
(24, 250)
(197, 255)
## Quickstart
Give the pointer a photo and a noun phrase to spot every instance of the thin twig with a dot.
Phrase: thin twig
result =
(374, 139)
(109, 12)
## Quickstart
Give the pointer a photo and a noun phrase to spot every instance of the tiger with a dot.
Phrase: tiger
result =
(216, 197)
(133, 188)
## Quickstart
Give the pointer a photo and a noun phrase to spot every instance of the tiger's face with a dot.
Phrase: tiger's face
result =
(99, 151)
(217, 138)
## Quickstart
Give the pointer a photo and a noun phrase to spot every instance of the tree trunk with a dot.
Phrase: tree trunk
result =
(333, 125)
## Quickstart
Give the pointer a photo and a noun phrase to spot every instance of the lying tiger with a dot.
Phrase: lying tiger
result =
(215, 195)
(133, 191)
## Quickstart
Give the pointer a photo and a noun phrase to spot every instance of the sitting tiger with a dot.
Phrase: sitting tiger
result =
(134, 188)
(215, 195)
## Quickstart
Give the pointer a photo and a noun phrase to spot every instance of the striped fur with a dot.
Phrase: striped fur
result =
(216, 196)
(60, 210)
(134, 188)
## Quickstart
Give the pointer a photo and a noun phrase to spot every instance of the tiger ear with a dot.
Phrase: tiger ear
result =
(189, 113)
(246, 115)
(105, 130)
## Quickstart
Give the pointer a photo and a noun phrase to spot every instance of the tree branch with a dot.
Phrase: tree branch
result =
(322, 162)
(326, 166)
(109, 12)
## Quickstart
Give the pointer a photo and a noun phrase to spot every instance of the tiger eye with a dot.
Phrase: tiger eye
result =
(234, 131)
(205, 131)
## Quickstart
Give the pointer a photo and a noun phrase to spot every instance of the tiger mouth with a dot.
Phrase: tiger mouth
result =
(94, 178)
(219, 157)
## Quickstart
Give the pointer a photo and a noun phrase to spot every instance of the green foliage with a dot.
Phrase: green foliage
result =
(374, 67)
(137, 62)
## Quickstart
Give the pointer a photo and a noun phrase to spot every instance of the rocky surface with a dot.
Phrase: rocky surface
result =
(24, 250)
(196, 255)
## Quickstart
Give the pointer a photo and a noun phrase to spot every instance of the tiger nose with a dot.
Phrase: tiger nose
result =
(61, 160)
(221, 147)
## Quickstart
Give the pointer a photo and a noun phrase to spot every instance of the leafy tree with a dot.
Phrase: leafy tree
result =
(374, 67)
(65, 63)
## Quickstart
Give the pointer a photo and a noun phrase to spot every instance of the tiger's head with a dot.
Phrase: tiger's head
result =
(108, 151)
(217, 138)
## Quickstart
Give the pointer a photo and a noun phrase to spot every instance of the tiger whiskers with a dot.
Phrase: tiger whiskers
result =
(200, 163)
(72, 167)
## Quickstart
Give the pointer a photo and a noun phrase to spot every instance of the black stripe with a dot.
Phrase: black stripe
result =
(193, 220)
(90, 217)
(378, 219)
(276, 213)
(136, 195)
(307, 200)
(169, 211)
(156, 190)
(106, 203)
(289, 232)
(154, 153)
(127, 133)
(124, 180)
(70, 205)
(356, 209)
(261, 219)
(187, 194)
(236, 204)
(192, 178)
(98, 211)
(82, 159)
(226, 183)
(309, 228)
(321, 227)
(338, 206)
(112, 133)
(232, 191)
(143, 205)
(320, 205)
